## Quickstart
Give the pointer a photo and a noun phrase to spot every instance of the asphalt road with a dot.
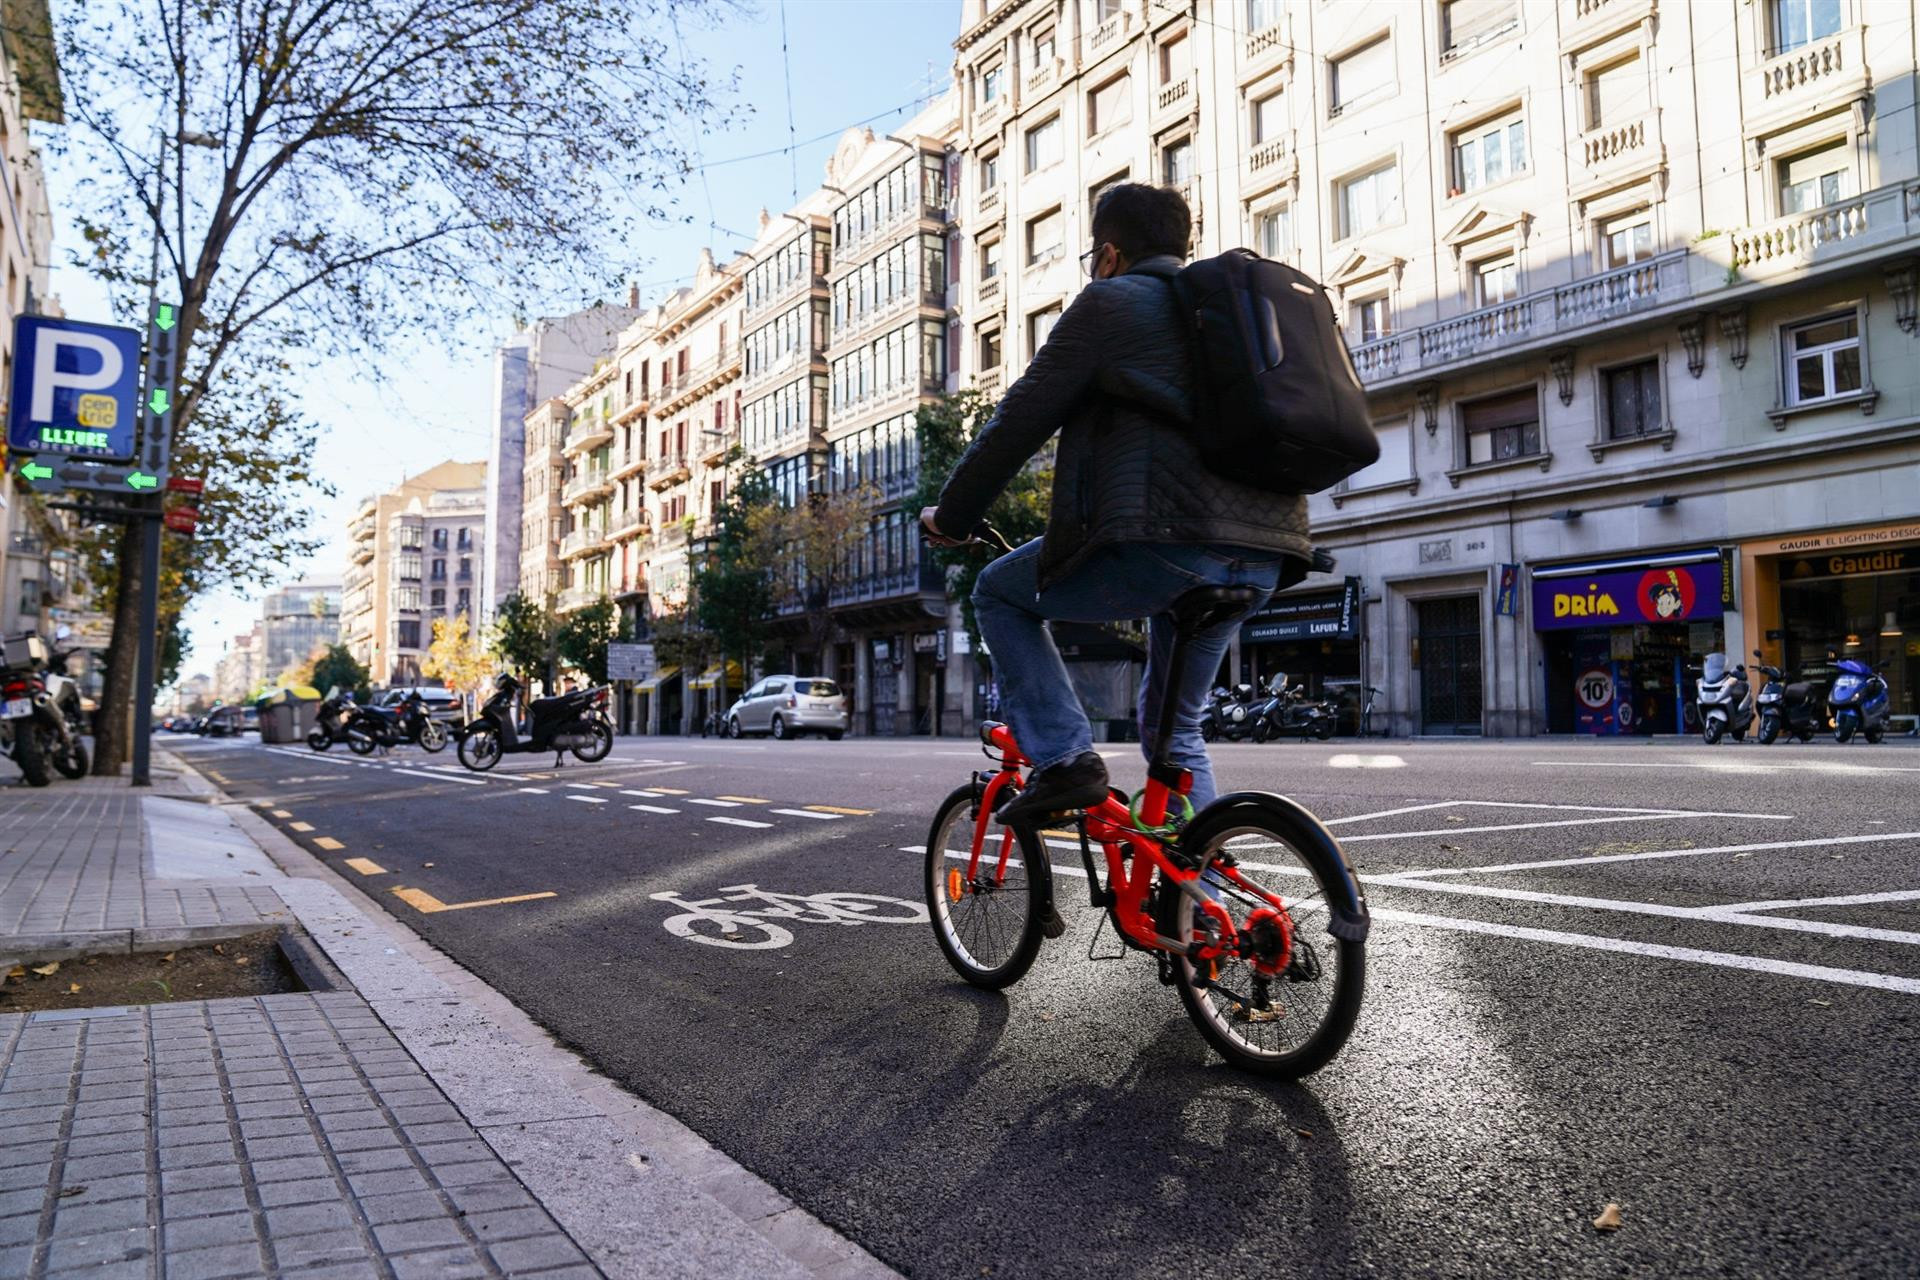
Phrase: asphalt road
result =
(1560, 1012)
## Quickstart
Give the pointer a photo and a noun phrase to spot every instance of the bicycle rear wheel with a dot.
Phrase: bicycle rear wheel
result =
(1292, 1023)
(988, 927)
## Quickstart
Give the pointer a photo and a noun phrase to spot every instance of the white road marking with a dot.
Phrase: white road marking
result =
(533, 791)
(584, 786)
(1824, 842)
(717, 804)
(740, 822)
(588, 799)
(1846, 900)
(651, 795)
(1732, 766)
(808, 813)
(1347, 761)
(1389, 813)
(437, 777)
(651, 808)
(1537, 826)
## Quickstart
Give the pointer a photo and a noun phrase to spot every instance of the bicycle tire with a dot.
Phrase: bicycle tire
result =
(1313, 847)
(1039, 892)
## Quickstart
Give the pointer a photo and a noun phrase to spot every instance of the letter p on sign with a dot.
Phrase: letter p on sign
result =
(74, 388)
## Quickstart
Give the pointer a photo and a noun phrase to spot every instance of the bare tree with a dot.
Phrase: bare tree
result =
(813, 551)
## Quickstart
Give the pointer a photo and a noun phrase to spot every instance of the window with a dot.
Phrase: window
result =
(1395, 464)
(466, 568)
(1467, 22)
(1626, 239)
(1372, 318)
(990, 260)
(439, 571)
(1814, 179)
(465, 539)
(1265, 118)
(463, 602)
(1798, 22)
(1039, 325)
(30, 596)
(992, 80)
(1262, 14)
(407, 634)
(1495, 281)
(1632, 400)
(1043, 52)
(1043, 144)
(1044, 237)
(1502, 427)
(1823, 358)
(1104, 9)
(407, 599)
(1370, 200)
(1366, 70)
(1110, 106)
(439, 539)
(437, 598)
(1273, 231)
(1489, 153)
(1176, 60)
(990, 171)
(1616, 93)
(990, 349)
(1176, 163)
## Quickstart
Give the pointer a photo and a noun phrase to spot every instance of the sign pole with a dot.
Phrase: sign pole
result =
(156, 416)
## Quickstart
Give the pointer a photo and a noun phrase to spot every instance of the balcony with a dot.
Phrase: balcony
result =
(587, 484)
(362, 550)
(583, 542)
(1169, 96)
(576, 598)
(1269, 162)
(1620, 145)
(714, 444)
(785, 291)
(698, 380)
(1106, 37)
(988, 381)
(627, 524)
(1264, 41)
(989, 289)
(990, 201)
(1817, 72)
(668, 469)
(1887, 217)
(1042, 78)
(586, 433)
(987, 114)
(623, 465)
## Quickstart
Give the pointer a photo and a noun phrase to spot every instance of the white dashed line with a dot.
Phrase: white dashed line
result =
(437, 777)
(584, 786)
(740, 822)
(533, 791)
(587, 799)
(652, 808)
(651, 795)
(717, 804)
(808, 813)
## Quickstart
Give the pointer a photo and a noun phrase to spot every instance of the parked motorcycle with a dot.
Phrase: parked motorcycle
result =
(1785, 705)
(333, 722)
(62, 719)
(1230, 714)
(1288, 714)
(1726, 700)
(576, 722)
(384, 727)
(1859, 701)
(21, 692)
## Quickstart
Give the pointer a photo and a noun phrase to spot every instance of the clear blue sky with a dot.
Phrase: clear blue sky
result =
(411, 408)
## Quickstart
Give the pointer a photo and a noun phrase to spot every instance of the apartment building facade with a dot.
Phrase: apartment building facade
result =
(412, 556)
(296, 621)
(1631, 287)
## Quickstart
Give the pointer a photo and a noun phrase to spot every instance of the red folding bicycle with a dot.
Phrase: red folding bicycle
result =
(1248, 906)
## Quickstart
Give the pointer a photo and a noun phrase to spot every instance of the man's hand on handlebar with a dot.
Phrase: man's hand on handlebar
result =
(982, 535)
(933, 533)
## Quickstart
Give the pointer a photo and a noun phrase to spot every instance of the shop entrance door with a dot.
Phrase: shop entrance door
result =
(1450, 688)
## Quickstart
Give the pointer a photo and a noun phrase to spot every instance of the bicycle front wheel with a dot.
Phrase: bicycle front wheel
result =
(988, 926)
(1290, 1023)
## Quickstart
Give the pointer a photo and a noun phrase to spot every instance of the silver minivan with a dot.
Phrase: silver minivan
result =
(788, 706)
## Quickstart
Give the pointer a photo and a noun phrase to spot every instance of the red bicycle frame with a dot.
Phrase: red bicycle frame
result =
(1112, 825)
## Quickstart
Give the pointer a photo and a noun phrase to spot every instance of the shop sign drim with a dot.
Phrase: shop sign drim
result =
(1670, 593)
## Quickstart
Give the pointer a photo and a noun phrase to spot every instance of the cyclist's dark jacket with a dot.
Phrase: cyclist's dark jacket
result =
(1108, 378)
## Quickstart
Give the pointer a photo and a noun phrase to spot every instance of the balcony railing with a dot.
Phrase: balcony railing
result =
(627, 524)
(1601, 147)
(667, 469)
(990, 199)
(626, 464)
(1107, 35)
(989, 288)
(1266, 155)
(586, 483)
(587, 433)
(698, 378)
(1172, 95)
(1042, 76)
(577, 598)
(1813, 67)
(582, 541)
(988, 381)
(1265, 40)
(1799, 236)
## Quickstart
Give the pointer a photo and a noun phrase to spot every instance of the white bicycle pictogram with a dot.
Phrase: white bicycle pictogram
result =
(718, 922)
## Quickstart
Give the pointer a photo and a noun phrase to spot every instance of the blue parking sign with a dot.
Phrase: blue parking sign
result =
(75, 389)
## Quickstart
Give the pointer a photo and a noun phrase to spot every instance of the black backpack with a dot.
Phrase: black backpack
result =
(1277, 403)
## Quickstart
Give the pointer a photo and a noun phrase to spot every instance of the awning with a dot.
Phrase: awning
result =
(660, 677)
(711, 676)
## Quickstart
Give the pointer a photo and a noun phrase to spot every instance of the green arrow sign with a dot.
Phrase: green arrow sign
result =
(159, 401)
(36, 471)
(163, 317)
(140, 480)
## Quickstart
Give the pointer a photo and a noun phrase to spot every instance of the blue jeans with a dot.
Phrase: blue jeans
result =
(1117, 584)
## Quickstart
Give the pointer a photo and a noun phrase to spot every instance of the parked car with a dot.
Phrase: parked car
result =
(442, 704)
(249, 719)
(788, 706)
(224, 722)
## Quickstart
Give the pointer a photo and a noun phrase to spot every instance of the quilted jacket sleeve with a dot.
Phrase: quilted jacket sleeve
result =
(1035, 407)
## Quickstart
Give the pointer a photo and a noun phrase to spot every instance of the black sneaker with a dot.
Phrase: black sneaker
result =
(1072, 784)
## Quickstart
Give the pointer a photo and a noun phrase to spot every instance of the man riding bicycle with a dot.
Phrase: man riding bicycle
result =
(1137, 518)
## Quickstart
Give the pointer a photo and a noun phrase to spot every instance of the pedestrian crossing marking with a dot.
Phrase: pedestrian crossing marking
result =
(648, 794)
(300, 826)
(584, 786)
(588, 799)
(603, 784)
(651, 808)
(744, 799)
(425, 903)
(281, 813)
(533, 791)
(328, 843)
(740, 822)
(669, 791)
(366, 866)
(717, 804)
(850, 813)
(805, 813)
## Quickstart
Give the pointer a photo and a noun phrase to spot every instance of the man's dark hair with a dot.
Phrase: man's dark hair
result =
(1141, 221)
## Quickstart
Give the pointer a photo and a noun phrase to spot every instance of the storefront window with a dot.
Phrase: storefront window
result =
(1861, 604)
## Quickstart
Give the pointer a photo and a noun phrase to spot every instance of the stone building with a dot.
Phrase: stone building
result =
(295, 621)
(412, 555)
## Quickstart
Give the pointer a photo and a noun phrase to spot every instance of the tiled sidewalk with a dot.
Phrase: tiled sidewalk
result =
(282, 1135)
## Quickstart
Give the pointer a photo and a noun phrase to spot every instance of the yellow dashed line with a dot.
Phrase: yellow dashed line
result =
(1064, 835)
(281, 813)
(598, 783)
(424, 902)
(739, 799)
(366, 866)
(536, 775)
(328, 842)
(300, 826)
(828, 808)
(217, 777)
(668, 791)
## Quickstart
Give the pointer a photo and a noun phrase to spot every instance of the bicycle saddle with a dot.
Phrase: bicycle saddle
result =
(1203, 607)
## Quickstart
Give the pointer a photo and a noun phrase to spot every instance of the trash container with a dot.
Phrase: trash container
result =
(278, 723)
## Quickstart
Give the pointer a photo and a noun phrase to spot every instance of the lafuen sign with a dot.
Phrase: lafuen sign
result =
(1624, 596)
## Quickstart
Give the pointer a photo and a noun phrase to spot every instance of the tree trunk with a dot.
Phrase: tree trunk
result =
(112, 725)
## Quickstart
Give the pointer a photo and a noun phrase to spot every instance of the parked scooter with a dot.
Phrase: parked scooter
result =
(1726, 700)
(1288, 714)
(576, 722)
(63, 721)
(382, 727)
(1785, 706)
(1230, 714)
(1859, 701)
(21, 658)
(333, 722)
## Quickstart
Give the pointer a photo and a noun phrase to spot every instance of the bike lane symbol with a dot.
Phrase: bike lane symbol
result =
(726, 920)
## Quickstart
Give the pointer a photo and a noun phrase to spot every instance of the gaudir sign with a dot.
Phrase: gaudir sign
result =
(75, 389)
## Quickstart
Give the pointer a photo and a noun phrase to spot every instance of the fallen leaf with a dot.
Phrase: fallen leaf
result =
(1609, 1219)
(167, 958)
(1305, 1133)
(1824, 1004)
(73, 988)
(48, 970)
(18, 971)
(219, 950)
(239, 959)
(90, 961)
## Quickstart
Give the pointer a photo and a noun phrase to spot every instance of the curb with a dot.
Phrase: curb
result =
(639, 1192)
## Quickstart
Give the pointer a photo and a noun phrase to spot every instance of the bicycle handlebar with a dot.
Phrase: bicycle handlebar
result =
(983, 535)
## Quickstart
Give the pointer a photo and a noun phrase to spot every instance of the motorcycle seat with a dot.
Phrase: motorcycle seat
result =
(1799, 692)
